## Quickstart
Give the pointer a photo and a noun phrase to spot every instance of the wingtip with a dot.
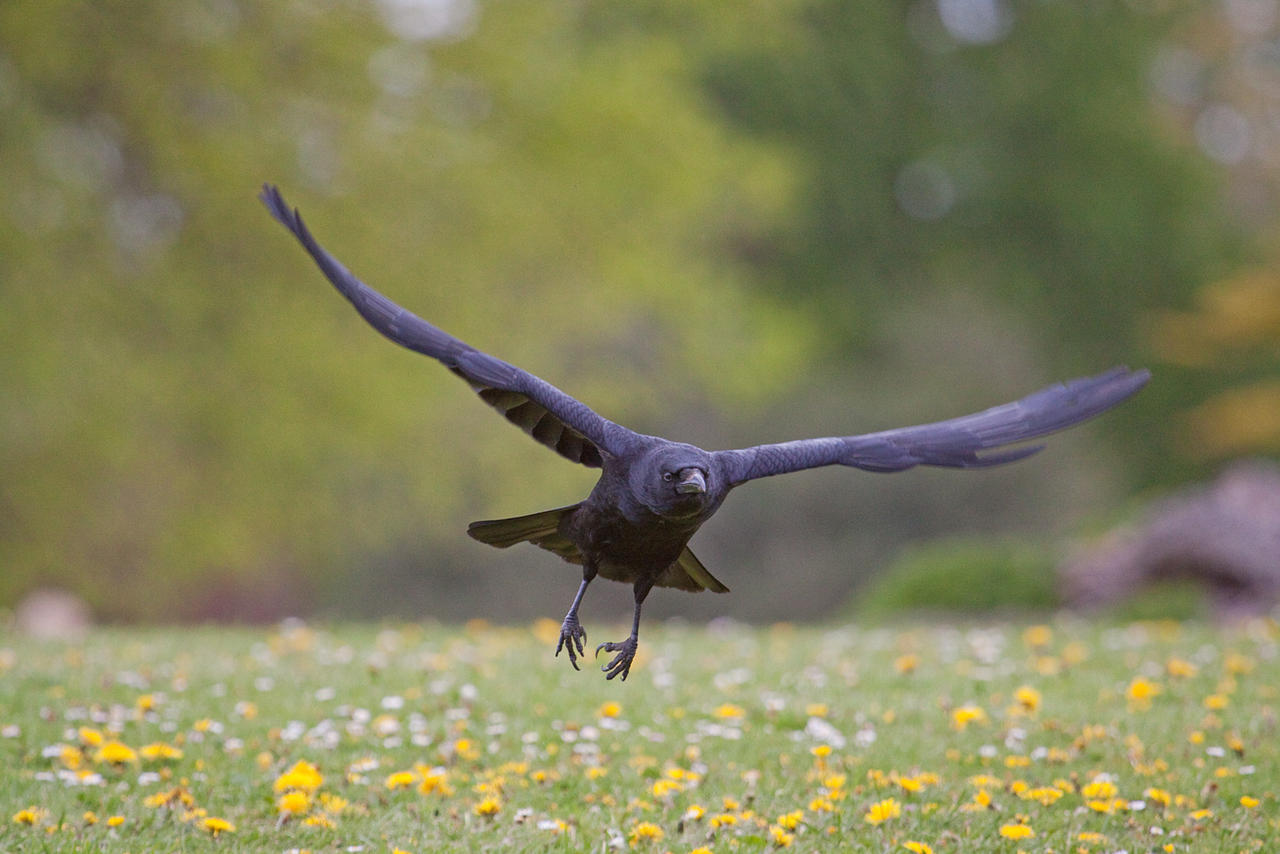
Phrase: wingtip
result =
(1131, 380)
(290, 218)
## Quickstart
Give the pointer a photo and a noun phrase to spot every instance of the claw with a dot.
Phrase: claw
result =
(620, 664)
(572, 635)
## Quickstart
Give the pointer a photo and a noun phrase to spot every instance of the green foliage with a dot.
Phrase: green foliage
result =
(194, 416)
(1166, 600)
(969, 576)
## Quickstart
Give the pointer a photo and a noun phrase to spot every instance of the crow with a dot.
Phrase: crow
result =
(653, 494)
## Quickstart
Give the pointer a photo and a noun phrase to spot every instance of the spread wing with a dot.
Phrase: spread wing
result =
(955, 443)
(555, 419)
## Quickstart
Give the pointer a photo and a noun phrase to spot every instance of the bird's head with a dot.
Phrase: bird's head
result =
(676, 481)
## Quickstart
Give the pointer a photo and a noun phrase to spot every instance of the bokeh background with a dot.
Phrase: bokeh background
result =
(725, 223)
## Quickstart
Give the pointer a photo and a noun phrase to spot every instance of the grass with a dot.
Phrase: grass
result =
(1066, 737)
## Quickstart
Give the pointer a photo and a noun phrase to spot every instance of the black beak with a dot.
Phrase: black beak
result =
(691, 482)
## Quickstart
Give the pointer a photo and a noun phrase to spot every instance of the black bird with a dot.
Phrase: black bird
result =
(653, 494)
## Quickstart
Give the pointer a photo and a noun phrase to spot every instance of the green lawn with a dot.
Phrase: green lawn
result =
(1065, 737)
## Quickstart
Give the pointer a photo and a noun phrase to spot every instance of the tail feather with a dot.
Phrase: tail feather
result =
(699, 573)
(542, 529)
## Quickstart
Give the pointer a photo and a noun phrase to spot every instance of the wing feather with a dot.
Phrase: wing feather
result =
(555, 419)
(955, 443)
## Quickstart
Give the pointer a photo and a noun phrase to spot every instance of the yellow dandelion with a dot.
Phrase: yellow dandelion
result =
(917, 847)
(90, 737)
(663, 788)
(1249, 802)
(1237, 664)
(1016, 831)
(90, 817)
(967, 714)
(214, 826)
(981, 801)
(729, 711)
(30, 815)
(1058, 755)
(1217, 702)
(488, 808)
(610, 709)
(303, 776)
(724, 819)
(400, 780)
(821, 751)
(882, 811)
(1037, 636)
(1074, 653)
(1201, 814)
(790, 820)
(1098, 788)
(294, 802)
(115, 753)
(466, 749)
(1180, 668)
(175, 797)
(434, 780)
(320, 820)
(1045, 795)
(906, 663)
(780, 837)
(1159, 796)
(702, 849)
(821, 805)
(70, 756)
(1091, 837)
(160, 750)
(695, 812)
(645, 831)
(1027, 698)
(1140, 692)
(1107, 806)
(817, 710)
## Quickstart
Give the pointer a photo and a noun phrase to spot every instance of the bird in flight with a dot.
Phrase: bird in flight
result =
(653, 494)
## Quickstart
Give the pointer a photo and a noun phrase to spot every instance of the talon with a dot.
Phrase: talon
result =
(571, 636)
(620, 664)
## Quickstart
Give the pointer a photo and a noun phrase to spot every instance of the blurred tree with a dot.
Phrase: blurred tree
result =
(655, 205)
(196, 426)
(1011, 149)
(1218, 86)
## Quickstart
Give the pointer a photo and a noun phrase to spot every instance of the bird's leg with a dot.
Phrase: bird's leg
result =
(571, 631)
(620, 665)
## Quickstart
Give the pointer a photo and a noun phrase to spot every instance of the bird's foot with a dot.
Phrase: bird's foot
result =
(621, 663)
(572, 635)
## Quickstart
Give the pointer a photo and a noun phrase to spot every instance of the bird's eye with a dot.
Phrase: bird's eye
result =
(668, 476)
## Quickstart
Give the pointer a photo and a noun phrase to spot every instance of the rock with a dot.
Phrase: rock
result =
(1225, 535)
